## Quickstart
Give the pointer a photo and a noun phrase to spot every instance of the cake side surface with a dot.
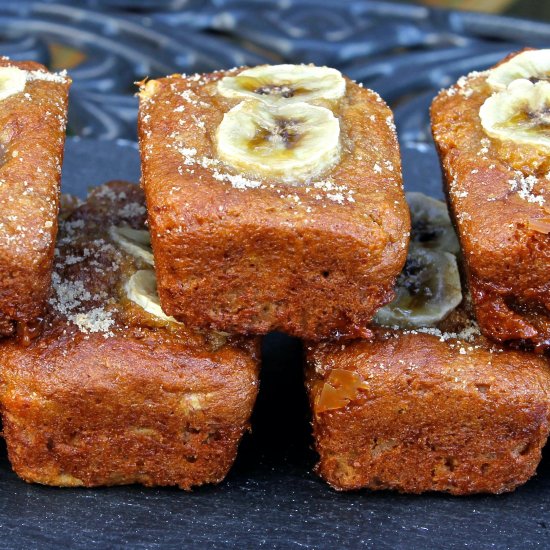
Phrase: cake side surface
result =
(412, 413)
(110, 412)
(33, 120)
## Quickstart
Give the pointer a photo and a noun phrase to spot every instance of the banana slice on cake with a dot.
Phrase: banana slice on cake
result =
(427, 290)
(431, 225)
(12, 81)
(141, 289)
(284, 83)
(532, 65)
(292, 142)
(136, 242)
(521, 113)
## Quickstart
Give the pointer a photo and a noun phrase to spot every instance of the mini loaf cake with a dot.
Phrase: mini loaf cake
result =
(33, 114)
(491, 130)
(274, 199)
(420, 407)
(113, 391)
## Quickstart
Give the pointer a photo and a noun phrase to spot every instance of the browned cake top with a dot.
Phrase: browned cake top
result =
(454, 354)
(92, 270)
(462, 360)
(178, 120)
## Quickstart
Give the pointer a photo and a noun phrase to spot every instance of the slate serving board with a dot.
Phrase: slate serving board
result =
(271, 498)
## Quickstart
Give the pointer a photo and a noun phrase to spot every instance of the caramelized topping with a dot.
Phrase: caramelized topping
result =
(340, 388)
(283, 91)
(537, 78)
(277, 140)
(27, 332)
(530, 121)
(266, 86)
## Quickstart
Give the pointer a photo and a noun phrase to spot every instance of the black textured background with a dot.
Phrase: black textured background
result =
(271, 498)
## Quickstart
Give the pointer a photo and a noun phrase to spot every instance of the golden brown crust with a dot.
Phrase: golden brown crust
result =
(109, 394)
(499, 197)
(414, 413)
(93, 411)
(32, 137)
(309, 260)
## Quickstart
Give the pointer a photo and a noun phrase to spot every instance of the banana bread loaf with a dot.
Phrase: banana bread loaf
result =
(274, 199)
(428, 404)
(491, 132)
(422, 412)
(113, 391)
(33, 114)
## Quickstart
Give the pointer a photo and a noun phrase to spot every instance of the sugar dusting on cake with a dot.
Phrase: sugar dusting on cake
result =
(60, 77)
(468, 333)
(187, 92)
(190, 158)
(463, 86)
(524, 187)
(80, 260)
(71, 297)
(71, 300)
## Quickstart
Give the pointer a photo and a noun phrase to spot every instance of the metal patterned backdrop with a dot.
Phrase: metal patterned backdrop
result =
(404, 52)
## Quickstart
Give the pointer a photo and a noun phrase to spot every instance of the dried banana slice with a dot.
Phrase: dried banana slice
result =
(284, 83)
(431, 225)
(141, 289)
(292, 142)
(136, 242)
(427, 290)
(521, 113)
(12, 81)
(532, 65)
